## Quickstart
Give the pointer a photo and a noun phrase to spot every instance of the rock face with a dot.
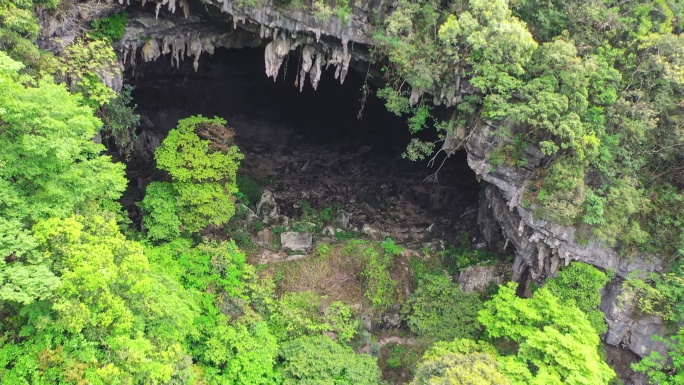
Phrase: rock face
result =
(541, 246)
(281, 29)
(627, 330)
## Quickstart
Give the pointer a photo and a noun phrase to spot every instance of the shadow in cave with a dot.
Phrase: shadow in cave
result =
(306, 145)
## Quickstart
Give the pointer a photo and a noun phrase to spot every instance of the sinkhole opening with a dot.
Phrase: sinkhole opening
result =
(336, 145)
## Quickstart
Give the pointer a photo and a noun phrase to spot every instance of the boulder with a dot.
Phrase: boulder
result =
(296, 242)
(628, 328)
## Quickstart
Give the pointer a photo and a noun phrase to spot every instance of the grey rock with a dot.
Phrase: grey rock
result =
(267, 206)
(391, 320)
(249, 215)
(342, 219)
(329, 231)
(479, 278)
(264, 238)
(277, 220)
(542, 247)
(296, 242)
(372, 232)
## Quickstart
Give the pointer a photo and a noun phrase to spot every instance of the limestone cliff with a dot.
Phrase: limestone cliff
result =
(542, 247)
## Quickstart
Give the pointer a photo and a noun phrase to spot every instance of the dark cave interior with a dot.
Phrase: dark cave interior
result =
(311, 142)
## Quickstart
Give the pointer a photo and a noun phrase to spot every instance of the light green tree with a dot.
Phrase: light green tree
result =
(459, 362)
(555, 339)
(320, 360)
(49, 166)
(581, 284)
(200, 157)
(111, 320)
(438, 309)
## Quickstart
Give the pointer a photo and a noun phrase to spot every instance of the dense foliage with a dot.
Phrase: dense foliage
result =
(80, 302)
(460, 362)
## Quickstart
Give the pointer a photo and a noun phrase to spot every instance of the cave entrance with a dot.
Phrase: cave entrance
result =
(307, 146)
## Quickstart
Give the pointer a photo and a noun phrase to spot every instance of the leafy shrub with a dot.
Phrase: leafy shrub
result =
(303, 313)
(208, 267)
(342, 322)
(458, 257)
(557, 340)
(50, 165)
(665, 370)
(403, 356)
(390, 248)
(297, 314)
(440, 311)
(160, 204)
(241, 354)
(562, 192)
(459, 362)
(83, 64)
(657, 294)
(323, 250)
(120, 122)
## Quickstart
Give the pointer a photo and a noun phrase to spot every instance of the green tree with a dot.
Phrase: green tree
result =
(19, 28)
(439, 310)
(459, 362)
(557, 341)
(50, 165)
(25, 275)
(320, 360)
(111, 320)
(200, 157)
(242, 354)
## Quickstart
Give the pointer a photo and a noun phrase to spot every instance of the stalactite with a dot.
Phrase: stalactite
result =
(316, 53)
(316, 71)
(275, 53)
(307, 61)
(194, 45)
(150, 51)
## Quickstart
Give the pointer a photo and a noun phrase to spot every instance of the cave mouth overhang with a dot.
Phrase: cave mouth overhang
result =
(342, 120)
